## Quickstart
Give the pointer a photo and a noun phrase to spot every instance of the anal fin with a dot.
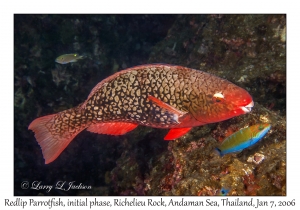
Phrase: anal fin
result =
(112, 128)
(175, 133)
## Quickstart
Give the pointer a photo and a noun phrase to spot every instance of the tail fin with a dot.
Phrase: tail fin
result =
(54, 132)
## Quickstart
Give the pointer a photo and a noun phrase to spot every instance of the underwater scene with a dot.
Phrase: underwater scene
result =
(199, 110)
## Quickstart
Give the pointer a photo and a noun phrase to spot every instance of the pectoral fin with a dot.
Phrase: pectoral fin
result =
(172, 110)
(175, 133)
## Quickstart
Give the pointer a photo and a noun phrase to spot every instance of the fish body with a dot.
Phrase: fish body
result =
(155, 95)
(68, 58)
(243, 138)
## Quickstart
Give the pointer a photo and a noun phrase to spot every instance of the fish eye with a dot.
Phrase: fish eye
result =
(218, 97)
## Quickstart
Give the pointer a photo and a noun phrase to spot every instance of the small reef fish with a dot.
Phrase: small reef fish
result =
(223, 192)
(155, 95)
(243, 138)
(68, 58)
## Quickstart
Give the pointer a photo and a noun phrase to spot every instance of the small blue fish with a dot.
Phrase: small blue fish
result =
(68, 58)
(223, 191)
(243, 138)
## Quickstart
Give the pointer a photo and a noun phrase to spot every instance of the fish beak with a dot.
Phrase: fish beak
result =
(247, 108)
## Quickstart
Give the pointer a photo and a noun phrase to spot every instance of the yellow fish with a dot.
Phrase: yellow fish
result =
(68, 58)
(243, 138)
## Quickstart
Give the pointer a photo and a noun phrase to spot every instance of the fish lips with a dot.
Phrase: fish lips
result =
(248, 107)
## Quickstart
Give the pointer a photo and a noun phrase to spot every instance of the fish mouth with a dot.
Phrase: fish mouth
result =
(248, 107)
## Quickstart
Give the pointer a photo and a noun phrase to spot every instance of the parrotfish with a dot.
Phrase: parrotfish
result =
(243, 138)
(68, 58)
(155, 95)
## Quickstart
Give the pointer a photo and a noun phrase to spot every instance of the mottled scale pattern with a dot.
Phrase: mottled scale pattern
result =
(125, 97)
(71, 120)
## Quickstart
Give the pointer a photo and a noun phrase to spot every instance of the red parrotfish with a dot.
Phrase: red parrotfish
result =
(155, 95)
